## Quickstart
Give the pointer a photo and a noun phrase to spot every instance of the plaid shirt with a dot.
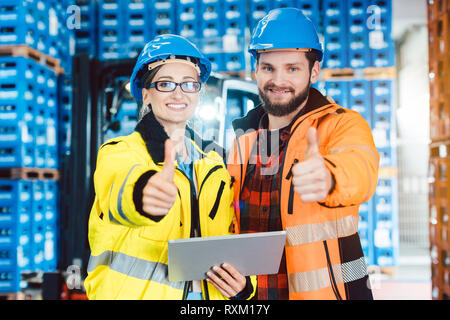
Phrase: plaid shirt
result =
(260, 210)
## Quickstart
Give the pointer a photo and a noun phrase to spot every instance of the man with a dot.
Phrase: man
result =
(303, 164)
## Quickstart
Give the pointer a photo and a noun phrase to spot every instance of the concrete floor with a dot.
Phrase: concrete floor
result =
(411, 280)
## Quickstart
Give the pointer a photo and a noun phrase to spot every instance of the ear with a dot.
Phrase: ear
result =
(315, 72)
(145, 96)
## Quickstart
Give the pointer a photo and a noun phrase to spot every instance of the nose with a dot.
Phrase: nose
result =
(279, 79)
(177, 92)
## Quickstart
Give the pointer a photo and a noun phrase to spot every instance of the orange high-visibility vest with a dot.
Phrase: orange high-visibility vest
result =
(324, 257)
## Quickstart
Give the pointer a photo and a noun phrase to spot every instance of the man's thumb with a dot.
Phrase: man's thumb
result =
(169, 158)
(312, 148)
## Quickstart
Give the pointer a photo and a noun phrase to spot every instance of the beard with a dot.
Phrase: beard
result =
(278, 109)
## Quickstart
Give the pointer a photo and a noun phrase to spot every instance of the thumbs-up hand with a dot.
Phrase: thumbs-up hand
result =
(311, 178)
(159, 194)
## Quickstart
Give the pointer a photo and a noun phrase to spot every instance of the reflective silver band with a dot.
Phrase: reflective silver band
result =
(309, 233)
(119, 198)
(134, 267)
(319, 279)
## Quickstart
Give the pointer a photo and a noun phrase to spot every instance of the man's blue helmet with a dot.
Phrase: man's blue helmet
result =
(285, 28)
(165, 47)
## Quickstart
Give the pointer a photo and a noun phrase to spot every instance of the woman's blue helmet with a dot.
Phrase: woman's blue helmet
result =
(164, 47)
(285, 28)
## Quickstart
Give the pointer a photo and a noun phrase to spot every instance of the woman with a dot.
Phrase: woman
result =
(158, 184)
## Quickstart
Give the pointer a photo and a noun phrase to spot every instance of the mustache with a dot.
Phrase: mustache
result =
(274, 87)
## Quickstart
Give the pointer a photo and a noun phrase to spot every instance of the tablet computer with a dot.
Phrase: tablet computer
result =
(250, 253)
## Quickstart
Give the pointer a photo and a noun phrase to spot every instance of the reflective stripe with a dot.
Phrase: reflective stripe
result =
(119, 197)
(363, 148)
(308, 233)
(111, 217)
(134, 267)
(319, 279)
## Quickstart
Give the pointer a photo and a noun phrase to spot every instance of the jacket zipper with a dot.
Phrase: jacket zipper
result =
(195, 221)
(291, 190)
(331, 274)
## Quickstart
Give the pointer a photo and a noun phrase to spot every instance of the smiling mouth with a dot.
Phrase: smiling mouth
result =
(279, 92)
(176, 106)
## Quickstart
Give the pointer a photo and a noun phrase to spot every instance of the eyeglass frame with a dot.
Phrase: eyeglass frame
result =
(154, 85)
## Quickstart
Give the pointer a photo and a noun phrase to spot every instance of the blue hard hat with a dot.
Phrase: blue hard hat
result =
(163, 47)
(285, 28)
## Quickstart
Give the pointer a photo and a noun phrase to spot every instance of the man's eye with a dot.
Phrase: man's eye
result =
(293, 69)
(267, 68)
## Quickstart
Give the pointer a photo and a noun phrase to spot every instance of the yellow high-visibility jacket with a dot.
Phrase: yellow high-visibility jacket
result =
(128, 249)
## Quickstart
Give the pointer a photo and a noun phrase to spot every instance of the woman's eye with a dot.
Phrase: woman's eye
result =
(164, 84)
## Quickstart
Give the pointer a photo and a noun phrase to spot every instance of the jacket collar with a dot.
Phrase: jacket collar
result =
(154, 136)
(253, 117)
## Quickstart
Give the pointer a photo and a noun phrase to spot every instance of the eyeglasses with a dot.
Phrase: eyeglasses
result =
(169, 86)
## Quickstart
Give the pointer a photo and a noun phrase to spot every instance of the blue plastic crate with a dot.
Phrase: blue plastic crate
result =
(310, 8)
(257, 10)
(359, 99)
(22, 155)
(336, 59)
(358, 46)
(16, 134)
(385, 57)
(334, 9)
(19, 23)
(51, 248)
(283, 3)
(15, 201)
(137, 32)
(338, 90)
(163, 16)
(212, 45)
(386, 257)
(388, 156)
(234, 17)
(234, 61)
(188, 30)
(10, 280)
(51, 207)
(15, 229)
(216, 60)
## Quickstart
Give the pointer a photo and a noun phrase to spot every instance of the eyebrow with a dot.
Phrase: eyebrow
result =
(171, 78)
(286, 64)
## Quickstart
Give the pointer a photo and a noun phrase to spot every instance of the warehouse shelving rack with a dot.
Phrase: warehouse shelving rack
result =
(439, 174)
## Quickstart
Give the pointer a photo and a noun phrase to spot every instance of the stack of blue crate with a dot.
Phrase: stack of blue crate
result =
(65, 114)
(310, 8)
(211, 31)
(234, 20)
(386, 195)
(24, 22)
(335, 33)
(187, 22)
(358, 49)
(379, 24)
(162, 16)
(15, 233)
(44, 225)
(29, 124)
(360, 98)
(137, 29)
(111, 31)
(82, 18)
